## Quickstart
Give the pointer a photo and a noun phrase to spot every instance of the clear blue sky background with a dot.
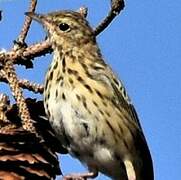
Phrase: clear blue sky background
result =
(143, 45)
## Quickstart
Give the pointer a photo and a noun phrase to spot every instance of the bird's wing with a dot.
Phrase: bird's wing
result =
(121, 98)
(115, 90)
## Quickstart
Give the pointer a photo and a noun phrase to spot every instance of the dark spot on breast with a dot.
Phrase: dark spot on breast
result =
(108, 114)
(46, 84)
(48, 112)
(63, 96)
(124, 92)
(60, 78)
(104, 103)
(78, 97)
(71, 81)
(116, 82)
(85, 104)
(80, 79)
(86, 127)
(55, 65)
(95, 103)
(102, 141)
(63, 65)
(56, 93)
(120, 128)
(51, 76)
(101, 111)
(99, 94)
(110, 126)
(88, 88)
(71, 71)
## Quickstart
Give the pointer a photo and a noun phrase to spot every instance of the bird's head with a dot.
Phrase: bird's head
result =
(65, 27)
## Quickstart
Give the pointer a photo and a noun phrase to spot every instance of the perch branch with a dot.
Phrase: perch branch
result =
(116, 7)
(24, 83)
(24, 55)
(22, 36)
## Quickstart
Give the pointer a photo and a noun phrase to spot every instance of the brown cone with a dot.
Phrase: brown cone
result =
(22, 154)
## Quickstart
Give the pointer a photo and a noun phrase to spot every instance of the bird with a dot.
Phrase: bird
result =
(87, 104)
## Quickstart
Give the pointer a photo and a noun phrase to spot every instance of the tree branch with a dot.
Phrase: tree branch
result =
(22, 36)
(116, 7)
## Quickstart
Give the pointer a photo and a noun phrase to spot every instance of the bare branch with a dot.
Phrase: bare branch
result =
(83, 11)
(26, 26)
(116, 7)
(36, 88)
(25, 55)
(24, 83)
(12, 79)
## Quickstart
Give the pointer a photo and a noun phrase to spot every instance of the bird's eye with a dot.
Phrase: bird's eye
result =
(64, 27)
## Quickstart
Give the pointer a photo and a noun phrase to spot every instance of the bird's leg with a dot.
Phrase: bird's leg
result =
(130, 170)
(80, 176)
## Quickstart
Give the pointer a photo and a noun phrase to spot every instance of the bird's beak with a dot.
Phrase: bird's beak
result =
(37, 17)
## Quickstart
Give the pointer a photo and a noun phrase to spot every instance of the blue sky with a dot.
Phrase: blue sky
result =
(143, 46)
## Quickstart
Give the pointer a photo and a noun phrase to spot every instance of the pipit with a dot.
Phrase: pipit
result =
(88, 106)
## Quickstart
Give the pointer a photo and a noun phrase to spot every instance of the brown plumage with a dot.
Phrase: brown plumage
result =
(88, 106)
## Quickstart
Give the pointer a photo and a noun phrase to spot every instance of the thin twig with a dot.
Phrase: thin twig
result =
(116, 7)
(24, 83)
(23, 56)
(36, 88)
(26, 25)
(83, 11)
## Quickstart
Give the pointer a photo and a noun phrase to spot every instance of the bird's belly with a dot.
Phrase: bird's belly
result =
(72, 123)
(68, 118)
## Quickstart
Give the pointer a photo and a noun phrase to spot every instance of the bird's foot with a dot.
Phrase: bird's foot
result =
(80, 176)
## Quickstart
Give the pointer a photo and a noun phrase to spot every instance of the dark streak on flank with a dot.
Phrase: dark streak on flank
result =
(71, 71)
(97, 68)
(71, 81)
(120, 128)
(99, 94)
(63, 65)
(59, 79)
(46, 84)
(104, 103)
(84, 103)
(63, 96)
(56, 93)
(95, 103)
(86, 127)
(80, 79)
(78, 97)
(110, 126)
(116, 82)
(48, 112)
(51, 76)
(101, 111)
(107, 113)
(55, 65)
